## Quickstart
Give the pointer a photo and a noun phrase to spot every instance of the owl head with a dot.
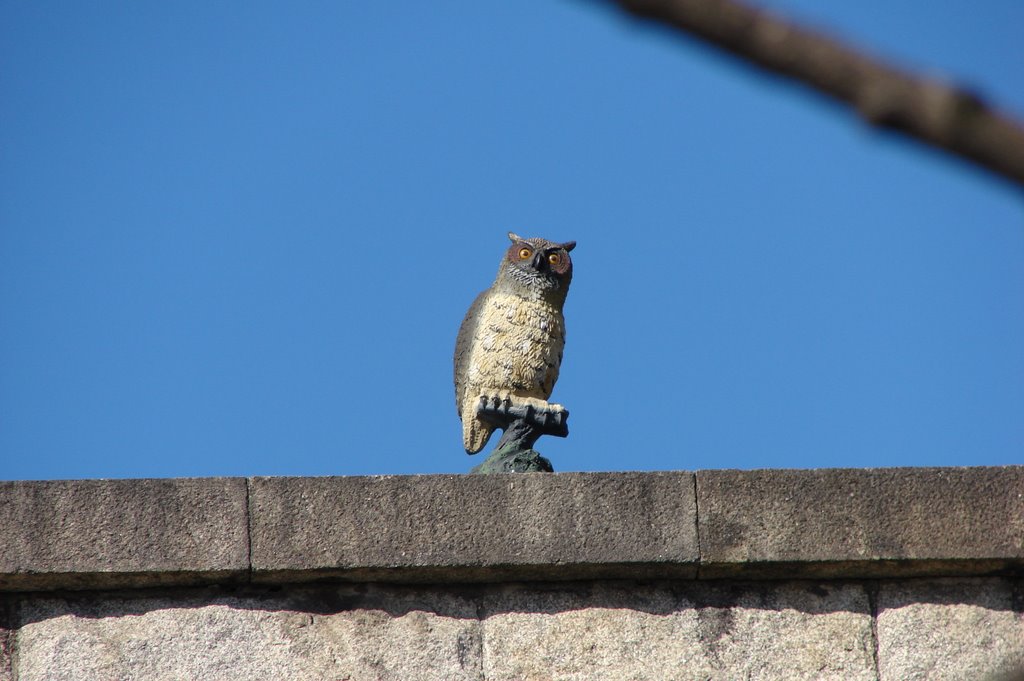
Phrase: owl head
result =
(541, 265)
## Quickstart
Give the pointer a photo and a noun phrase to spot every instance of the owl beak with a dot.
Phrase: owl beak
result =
(539, 261)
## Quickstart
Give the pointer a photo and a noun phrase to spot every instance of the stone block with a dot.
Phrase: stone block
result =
(111, 533)
(948, 630)
(695, 630)
(474, 528)
(357, 633)
(861, 522)
(568, 630)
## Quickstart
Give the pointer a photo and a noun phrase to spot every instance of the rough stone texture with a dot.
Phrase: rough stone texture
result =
(691, 631)
(107, 533)
(354, 633)
(950, 629)
(685, 630)
(882, 523)
(867, 522)
(474, 528)
(7, 631)
(467, 534)
(589, 630)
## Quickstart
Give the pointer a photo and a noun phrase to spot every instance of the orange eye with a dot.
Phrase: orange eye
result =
(554, 259)
(525, 253)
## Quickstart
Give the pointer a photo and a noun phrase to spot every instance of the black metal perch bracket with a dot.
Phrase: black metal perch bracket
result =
(524, 421)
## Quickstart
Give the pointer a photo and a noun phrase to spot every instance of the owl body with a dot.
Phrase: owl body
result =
(511, 340)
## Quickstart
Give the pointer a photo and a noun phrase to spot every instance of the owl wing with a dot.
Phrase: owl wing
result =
(547, 385)
(554, 364)
(463, 348)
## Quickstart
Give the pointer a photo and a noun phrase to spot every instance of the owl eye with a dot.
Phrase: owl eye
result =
(525, 253)
(554, 259)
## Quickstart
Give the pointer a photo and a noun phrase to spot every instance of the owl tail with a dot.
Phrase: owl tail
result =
(475, 434)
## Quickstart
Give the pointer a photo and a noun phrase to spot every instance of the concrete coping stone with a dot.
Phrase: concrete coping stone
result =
(719, 524)
(80, 534)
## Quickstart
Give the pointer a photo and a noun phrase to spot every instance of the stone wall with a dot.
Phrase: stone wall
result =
(827, 574)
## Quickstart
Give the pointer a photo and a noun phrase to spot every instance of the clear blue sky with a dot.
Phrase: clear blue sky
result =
(238, 239)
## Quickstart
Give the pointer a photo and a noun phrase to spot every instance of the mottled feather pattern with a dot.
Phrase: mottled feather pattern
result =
(515, 347)
(510, 342)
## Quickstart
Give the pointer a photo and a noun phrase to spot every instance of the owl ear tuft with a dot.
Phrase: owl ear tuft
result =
(568, 245)
(515, 238)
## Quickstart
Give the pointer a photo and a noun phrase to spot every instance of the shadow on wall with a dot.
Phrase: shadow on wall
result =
(907, 628)
(869, 597)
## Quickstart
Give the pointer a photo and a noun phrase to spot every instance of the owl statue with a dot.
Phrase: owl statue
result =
(509, 346)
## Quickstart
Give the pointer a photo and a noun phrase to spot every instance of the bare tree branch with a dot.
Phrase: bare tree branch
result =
(929, 110)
